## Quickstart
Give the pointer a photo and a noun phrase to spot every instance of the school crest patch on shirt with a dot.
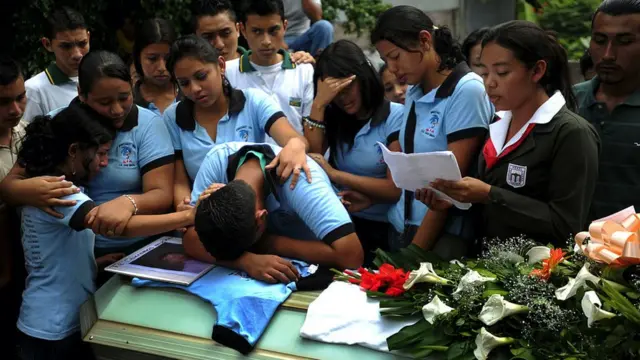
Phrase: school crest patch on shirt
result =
(243, 133)
(431, 130)
(295, 101)
(128, 155)
(516, 175)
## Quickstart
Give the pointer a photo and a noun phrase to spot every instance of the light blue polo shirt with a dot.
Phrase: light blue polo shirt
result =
(457, 109)
(311, 211)
(139, 100)
(61, 269)
(250, 117)
(365, 156)
(141, 145)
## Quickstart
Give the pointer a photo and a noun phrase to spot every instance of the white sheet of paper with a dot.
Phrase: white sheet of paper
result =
(417, 171)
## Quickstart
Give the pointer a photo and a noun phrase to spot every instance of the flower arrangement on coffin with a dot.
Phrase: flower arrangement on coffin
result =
(524, 300)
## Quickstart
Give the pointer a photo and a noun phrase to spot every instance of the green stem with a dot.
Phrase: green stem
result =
(434, 348)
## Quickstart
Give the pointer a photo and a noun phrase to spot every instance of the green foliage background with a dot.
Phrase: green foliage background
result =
(571, 19)
(104, 17)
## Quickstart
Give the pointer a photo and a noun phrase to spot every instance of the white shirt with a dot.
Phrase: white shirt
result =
(289, 84)
(49, 90)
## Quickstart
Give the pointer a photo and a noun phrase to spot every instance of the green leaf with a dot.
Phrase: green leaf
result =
(408, 335)
(485, 273)
(459, 350)
(522, 353)
(489, 293)
(621, 303)
(460, 322)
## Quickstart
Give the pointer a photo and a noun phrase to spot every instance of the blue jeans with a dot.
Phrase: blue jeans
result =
(317, 38)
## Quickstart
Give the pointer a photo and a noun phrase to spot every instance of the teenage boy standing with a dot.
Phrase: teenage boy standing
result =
(67, 38)
(267, 66)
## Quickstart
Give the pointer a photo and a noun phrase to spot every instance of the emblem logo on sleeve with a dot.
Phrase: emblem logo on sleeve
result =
(516, 175)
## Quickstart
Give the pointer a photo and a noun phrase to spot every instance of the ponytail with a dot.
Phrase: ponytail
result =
(529, 44)
(447, 47)
(559, 77)
(401, 26)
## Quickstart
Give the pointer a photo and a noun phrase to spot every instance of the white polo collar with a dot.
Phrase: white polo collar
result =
(544, 114)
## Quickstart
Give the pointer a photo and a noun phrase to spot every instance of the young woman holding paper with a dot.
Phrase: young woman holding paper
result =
(446, 109)
(538, 169)
(350, 116)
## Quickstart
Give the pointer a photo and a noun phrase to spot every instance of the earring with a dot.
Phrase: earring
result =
(73, 169)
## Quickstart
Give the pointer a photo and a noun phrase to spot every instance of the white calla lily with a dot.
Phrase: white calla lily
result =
(591, 306)
(457, 262)
(497, 308)
(486, 341)
(424, 274)
(537, 254)
(471, 279)
(434, 308)
(580, 281)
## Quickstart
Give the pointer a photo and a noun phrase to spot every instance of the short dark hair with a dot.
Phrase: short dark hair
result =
(10, 70)
(64, 19)
(619, 7)
(341, 59)
(225, 221)
(586, 62)
(46, 143)
(401, 26)
(529, 43)
(261, 8)
(202, 8)
(473, 39)
(100, 64)
(152, 31)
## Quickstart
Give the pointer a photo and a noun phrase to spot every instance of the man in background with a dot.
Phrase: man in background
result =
(306, 30)
(611, 102)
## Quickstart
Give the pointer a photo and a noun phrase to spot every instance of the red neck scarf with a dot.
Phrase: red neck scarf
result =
(490, 153)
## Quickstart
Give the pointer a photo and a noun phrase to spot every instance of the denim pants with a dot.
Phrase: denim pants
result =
(314, 40)
(71, 347)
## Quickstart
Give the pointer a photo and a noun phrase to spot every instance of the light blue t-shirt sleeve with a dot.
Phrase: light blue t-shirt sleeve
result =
(264, 110)
(211, 171)
(318, 206)
(469, 107)
(169, 118)
(154, 142)
(69, 211)
(394, 123)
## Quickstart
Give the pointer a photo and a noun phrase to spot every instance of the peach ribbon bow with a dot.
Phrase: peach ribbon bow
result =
(611, 242)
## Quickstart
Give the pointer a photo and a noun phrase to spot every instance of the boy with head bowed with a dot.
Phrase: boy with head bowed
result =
(252, 213)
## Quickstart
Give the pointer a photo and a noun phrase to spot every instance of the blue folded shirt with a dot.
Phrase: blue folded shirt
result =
(244, 306)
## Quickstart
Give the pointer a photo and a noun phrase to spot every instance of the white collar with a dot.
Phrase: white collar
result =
(544, 114)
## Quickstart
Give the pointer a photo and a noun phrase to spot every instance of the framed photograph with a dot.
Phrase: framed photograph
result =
(162, 260)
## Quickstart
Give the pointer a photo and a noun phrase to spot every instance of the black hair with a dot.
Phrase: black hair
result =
(101, 64)
(10, 70)
(225, 221)
(195, 47)
(586, 62)
(473, 39)
(401, 26)
(529, 43)
(46, 143)
(152, 31)
(342, 59)
(202, 8)
(618, 7)
(64, 19)
(383, 68)
(261, 8)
